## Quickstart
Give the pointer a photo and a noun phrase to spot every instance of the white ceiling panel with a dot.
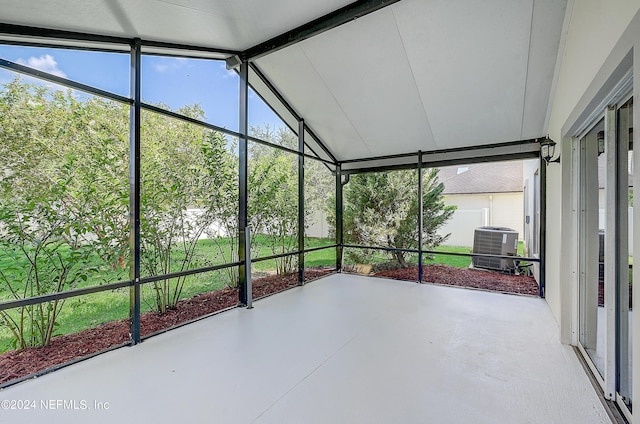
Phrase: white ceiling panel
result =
(225, 24)
(291, 71)
(271, 99)
(470, 64)
(548, 16)
(364, 63)
(425, 76)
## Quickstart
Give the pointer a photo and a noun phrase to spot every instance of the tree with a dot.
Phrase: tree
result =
(48, 236)
(381, 209)
(273, 195)
(184, 171)
(64, 197)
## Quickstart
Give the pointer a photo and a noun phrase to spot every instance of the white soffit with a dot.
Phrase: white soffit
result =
(283, 112)
(293, 73)
(425, 76)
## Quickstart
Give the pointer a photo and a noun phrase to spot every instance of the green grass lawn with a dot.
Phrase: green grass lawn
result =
(460, 261)
(456, 261)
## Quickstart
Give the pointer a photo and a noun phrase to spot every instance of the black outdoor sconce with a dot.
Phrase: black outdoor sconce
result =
(548, 150)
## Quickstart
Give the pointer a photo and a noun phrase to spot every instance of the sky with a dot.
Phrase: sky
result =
(173, 81)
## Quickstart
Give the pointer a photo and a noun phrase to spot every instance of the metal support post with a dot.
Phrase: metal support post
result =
(247, 267)
(243, 151)
(420, 217)
(339, 231)
(134, 193)
(543, 227)
(301, 202)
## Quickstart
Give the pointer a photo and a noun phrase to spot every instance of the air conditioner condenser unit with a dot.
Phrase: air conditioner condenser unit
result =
(495, 241)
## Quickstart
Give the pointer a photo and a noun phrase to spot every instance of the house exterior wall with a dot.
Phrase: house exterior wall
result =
(601, 39)
(480, 209)
(594, 28)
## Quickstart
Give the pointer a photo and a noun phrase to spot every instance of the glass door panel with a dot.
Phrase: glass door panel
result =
(624, 305)
(592, 230)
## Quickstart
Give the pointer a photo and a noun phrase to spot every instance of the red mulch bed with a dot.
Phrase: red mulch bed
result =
(21, 363)
(466, 277)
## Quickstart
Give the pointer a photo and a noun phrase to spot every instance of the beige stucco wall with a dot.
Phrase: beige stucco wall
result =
(601, 36)
(594, 30)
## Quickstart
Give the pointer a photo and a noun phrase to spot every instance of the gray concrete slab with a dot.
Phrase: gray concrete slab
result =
(343, 349)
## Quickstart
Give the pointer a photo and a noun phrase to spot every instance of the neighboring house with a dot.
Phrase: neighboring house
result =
(484, 194)
(531, 184)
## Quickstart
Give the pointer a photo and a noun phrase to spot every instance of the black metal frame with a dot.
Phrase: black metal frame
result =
(327, 22)
(243, 153)
(429, 161)
(339, 219)
(135, 49)
(134, 192)
(438, 252)
(420, 217)
(301, 202)
(293, 113)
(11, 304)
(532, 141)
(296, 252)
(60, 35)
(543, 225)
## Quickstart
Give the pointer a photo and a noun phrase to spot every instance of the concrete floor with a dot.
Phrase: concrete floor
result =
(343, 349)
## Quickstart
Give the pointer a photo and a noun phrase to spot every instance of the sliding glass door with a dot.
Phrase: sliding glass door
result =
(605, 222)
(592, 231)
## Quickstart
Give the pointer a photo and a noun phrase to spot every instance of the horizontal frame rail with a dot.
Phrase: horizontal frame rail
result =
(106, 287)
(62, 35)
(437, 252)
(386, 249)
(25, 70)
(231, 133)
(297, 252)
(186, 273)
(12, 304)
(16, 67)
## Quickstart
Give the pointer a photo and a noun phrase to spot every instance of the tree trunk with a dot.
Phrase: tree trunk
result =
(399, 257)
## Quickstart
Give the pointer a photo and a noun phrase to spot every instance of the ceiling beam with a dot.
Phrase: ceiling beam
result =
(523, 149)
(317, 26)
(35, 36)
(46, 33)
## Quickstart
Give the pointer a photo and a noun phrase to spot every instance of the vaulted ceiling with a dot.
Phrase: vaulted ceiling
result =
(415, 75)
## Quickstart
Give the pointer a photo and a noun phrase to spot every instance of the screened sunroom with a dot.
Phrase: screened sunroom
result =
(275, 212)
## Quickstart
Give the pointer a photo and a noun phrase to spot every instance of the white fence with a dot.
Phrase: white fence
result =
(462, 225)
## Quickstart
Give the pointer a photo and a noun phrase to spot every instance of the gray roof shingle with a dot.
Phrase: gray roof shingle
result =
(495, 177)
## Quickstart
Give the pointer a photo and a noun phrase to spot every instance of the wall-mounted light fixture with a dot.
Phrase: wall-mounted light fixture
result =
(601, 142)
(548, 150)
